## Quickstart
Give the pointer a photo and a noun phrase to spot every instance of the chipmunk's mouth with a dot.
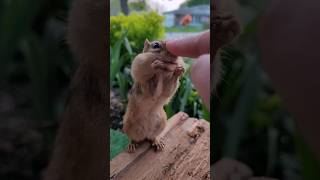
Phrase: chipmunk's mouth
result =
(171, 60)
(168, 57)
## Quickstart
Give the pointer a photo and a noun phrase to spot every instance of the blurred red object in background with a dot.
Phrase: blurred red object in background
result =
(186, 20)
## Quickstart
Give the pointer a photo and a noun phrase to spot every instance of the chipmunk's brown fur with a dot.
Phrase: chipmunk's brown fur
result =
(80, 151)
(156, 75)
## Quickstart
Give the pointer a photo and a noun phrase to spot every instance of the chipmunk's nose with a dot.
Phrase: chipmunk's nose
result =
(171, 55)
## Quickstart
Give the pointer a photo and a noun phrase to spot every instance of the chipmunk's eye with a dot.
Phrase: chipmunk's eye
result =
(156, 45)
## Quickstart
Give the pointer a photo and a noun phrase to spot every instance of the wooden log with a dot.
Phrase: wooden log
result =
(186, 155)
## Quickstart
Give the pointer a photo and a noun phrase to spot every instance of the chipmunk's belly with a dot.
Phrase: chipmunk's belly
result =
(155, 125)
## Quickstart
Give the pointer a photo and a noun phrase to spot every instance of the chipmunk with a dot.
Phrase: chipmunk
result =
(155, 73)
(226, 26)
(81, 146)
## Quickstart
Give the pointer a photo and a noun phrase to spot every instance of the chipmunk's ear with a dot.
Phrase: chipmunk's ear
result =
(146, 45)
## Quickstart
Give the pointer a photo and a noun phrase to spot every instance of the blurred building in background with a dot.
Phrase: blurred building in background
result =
(200, 16)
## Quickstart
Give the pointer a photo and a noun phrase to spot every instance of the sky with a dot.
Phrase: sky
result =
(164, 5)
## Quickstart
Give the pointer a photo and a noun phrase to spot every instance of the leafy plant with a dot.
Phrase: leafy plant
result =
(38, 72)
(309, 164)
(16, 17)
(251, 122)
(117, 61)
(137, 5)
(139, 26)
(119, 75)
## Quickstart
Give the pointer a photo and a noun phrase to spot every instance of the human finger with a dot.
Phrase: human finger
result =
(192, 46)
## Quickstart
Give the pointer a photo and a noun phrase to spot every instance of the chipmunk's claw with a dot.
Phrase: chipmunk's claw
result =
(157, 64)
(158, 144)
(132, 147)
(178, 71)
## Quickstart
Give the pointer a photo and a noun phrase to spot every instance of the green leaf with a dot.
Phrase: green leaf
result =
(115, 60)
(205, 114)
(37, 66)
(186, 94)
(16, 17)
(123, 84)
(118, 143)
(310, 166)
(127, 45)
(246, 101)
(139, 26)
(169, 109)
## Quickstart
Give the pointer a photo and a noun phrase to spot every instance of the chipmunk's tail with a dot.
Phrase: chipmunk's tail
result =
(87, 31)
(81, 143)
(87, 38)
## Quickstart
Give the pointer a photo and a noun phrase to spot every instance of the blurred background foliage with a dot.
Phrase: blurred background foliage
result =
(138, 27)
(36, 67)
(251, 123)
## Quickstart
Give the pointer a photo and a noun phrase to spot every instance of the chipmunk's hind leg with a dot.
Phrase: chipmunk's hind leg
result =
(158, 144)
(132, 146)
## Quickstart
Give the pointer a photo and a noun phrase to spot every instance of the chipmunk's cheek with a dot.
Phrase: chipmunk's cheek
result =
(170, 58)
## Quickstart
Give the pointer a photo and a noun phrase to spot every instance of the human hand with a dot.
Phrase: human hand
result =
(198, 47)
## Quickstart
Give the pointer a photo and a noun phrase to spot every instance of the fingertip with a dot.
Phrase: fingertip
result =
(191, 46)
(170, 46)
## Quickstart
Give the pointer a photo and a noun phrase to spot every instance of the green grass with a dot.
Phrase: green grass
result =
(118, 143)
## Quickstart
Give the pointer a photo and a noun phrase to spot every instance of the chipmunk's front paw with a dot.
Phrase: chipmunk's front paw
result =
(178, 71)
(157, 64)
(158, 144)
(132, 147)
(163, 66)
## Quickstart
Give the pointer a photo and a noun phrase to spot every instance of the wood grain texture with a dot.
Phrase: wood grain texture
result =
(186, 155)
